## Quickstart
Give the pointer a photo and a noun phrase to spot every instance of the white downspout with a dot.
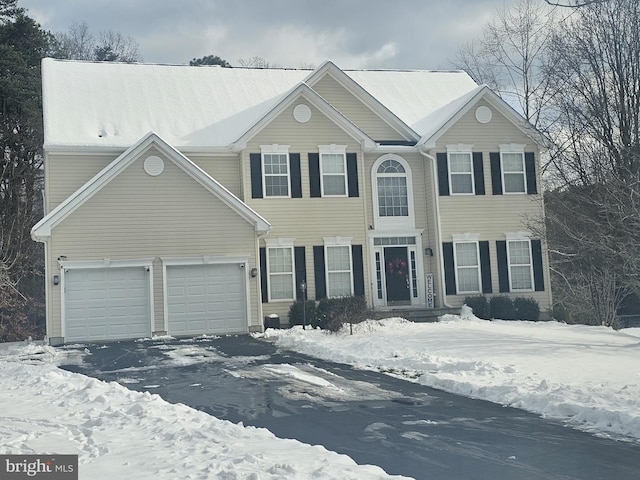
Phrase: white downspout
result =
(438, 227)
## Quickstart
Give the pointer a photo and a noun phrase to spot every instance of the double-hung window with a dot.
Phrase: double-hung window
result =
(333, 170)
(393, 197)
(520, 264)
(280, 266)
(467, 264)
(275, 168)
(514, 176)
(461, 172)
(339, 272)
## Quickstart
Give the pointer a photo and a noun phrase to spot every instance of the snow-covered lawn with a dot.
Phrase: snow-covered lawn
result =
(586, 376)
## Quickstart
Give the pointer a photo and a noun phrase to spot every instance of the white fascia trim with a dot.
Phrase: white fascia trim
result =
(386, 115)
(460, 148)
(337, 241)
(512, 147)
(275, 148)
(279, 242)
(517, 236)
(204, 260)
(398, 232)
(105, 263)
(465, 237)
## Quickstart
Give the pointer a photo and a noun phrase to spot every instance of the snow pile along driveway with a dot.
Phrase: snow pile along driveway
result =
(119, 433)
(588, 377)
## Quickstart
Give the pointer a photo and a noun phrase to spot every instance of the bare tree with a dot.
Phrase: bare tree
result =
(256, 62)
(78, 43)
(512, 57)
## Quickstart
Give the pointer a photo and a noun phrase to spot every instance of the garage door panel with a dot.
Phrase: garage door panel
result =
(107, 304)
(206, 299)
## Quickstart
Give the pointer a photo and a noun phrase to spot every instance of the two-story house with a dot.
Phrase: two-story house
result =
(196, 200)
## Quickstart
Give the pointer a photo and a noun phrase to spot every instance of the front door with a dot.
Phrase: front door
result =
(396, 272)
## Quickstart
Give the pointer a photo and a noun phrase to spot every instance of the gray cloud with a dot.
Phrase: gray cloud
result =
(352, 33)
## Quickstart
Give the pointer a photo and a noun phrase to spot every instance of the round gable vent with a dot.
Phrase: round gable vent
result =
(483, 114)
(302, 113)
(153, 165)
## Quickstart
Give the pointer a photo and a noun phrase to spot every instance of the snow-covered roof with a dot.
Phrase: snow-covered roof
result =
(115, 104)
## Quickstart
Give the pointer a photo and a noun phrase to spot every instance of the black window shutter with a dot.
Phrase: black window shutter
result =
(318, 273)
(301, 270)
(256, 175)
(496, 173)
(352, 174)
(296, 179)
(538, 271)
(503, 266)
(358, 270)
(443, 174)
(478, 173)
(449, 268)
(314, 174)
(263, 274)
(530, 169)
(485, 267)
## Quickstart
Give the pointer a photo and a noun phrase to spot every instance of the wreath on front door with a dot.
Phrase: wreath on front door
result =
(397, 267)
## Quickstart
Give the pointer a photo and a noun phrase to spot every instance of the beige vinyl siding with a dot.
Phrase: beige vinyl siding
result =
(491, 216)
(64, 174)
(307, 219)
(137, 216)
(356, 111)
(225, 169)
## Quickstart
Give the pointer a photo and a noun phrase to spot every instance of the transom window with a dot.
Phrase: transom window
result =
(461, 172)
(513, 172)
(467, 261)
(393, 198)
(333, 171)
(339, 275)
(281, 273)
(520, 264)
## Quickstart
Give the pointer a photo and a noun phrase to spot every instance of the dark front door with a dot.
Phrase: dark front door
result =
(396, 272)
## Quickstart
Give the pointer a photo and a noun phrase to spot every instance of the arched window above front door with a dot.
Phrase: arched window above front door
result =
(393, 202)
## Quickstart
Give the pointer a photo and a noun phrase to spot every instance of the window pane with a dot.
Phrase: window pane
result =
(513, 162)
(519, 253)
(461, 183)
(332, 163)
(276, 186)
(390, 166)
(333, 185)
(392, 197)
(468, 280)
(280, 260)
(521, 278)
(466, 254)
(339, 284)
(460, 162)
(338, 258)
(281, 287)
(514, 182)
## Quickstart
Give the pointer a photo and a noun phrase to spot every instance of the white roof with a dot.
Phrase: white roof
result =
(115, 104)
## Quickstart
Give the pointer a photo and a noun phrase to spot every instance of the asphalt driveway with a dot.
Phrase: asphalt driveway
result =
(403, 427)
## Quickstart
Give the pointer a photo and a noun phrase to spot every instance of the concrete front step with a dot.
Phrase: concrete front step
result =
(415, 314)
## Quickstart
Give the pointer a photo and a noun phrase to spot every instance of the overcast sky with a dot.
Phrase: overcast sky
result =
(411, 34)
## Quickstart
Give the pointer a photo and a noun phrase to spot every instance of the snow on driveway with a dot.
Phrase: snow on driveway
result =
(586, 376)
(120, 433)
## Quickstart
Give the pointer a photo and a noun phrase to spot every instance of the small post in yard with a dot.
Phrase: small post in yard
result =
(303, 287)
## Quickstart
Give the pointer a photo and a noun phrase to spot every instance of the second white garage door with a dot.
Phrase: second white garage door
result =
(206, 299)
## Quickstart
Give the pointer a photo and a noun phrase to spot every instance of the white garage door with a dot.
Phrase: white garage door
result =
(106, 304)
(206, 299)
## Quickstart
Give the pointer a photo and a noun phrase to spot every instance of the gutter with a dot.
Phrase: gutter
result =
(438, 228)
